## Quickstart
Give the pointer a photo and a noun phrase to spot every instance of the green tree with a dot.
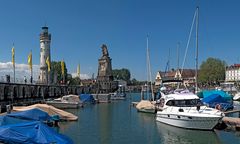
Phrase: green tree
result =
(212, 71)
(121, 74)
(75, 81)
(56, 72)
(134, 81)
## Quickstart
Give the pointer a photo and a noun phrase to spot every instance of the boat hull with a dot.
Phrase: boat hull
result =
(62, 105)
(118, 98)
(189, 122)
(152, 111)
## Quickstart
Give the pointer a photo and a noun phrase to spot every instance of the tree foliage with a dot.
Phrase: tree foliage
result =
(212, 71)
(75, 81)
(136, 82)
(121, 74)
(56, 72)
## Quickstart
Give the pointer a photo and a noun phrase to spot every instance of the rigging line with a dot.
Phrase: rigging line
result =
(150, 75)
(190, 34)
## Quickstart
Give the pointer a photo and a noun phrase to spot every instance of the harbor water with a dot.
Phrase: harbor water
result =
(119, 123)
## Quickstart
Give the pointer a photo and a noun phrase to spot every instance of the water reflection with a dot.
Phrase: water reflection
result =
(173, 135)
(105, 123)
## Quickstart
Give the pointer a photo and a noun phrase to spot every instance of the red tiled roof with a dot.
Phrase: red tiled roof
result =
(170, 74)
(237, 65)
(233, 66)
(187, 73)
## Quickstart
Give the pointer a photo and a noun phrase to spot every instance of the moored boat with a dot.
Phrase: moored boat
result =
(68, 101)
(62, 104)
(31, 132)
(146, 106)
(183, 109)
(63, 115)
(218, 102)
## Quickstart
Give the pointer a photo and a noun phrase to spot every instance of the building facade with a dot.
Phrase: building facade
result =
(232, 73)
(187, 75)
(45, 41)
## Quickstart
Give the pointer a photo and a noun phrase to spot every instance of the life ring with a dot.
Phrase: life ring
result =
(218, 107)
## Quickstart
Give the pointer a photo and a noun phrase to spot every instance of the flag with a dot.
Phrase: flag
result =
(78, 70)
(48, 64)
(62, 66)
(13, 56)
(30, 60)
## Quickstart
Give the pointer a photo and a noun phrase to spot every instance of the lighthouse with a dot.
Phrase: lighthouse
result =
(45, 40)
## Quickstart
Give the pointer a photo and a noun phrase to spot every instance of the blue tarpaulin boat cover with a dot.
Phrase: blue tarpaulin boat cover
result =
(215, 99)
(223, 94)
(87, 98)
(6, 120)
(32, 114)
(31, 133)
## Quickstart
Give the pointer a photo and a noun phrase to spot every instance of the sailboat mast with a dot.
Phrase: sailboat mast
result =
(147, 87)
(178, 58)
(169, 54)
(149, 74)
(196, 71)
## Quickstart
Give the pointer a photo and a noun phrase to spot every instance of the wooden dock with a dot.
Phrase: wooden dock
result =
(232, 122)
(232, 111)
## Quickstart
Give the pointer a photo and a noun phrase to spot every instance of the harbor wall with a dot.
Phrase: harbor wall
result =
(20, 94)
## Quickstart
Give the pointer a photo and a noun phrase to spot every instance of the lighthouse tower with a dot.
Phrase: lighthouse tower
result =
(45, 40)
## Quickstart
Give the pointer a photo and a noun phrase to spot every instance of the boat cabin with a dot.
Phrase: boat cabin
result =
(184, 103)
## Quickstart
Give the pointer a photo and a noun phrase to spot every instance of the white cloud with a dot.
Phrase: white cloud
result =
(21, 70)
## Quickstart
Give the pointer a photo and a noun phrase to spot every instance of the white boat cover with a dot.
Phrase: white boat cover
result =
(71, 98)
(50, 110)
(145, 104)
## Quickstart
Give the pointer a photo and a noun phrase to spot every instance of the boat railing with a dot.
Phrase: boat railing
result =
(189, 109)
(205, 107)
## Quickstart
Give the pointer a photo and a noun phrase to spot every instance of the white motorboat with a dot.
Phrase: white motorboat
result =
(69, 101)
(183, 109)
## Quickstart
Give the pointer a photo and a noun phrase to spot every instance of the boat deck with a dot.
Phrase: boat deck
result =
(134, 103)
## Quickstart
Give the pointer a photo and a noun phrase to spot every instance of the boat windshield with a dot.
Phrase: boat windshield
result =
(184, 103)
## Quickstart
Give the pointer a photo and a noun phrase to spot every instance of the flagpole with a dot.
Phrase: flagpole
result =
(48, 70)
(13, 62)
(14, 72)
(63, 72)
(31, 79)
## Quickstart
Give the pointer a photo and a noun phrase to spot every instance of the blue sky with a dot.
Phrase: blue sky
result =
(80, 27)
